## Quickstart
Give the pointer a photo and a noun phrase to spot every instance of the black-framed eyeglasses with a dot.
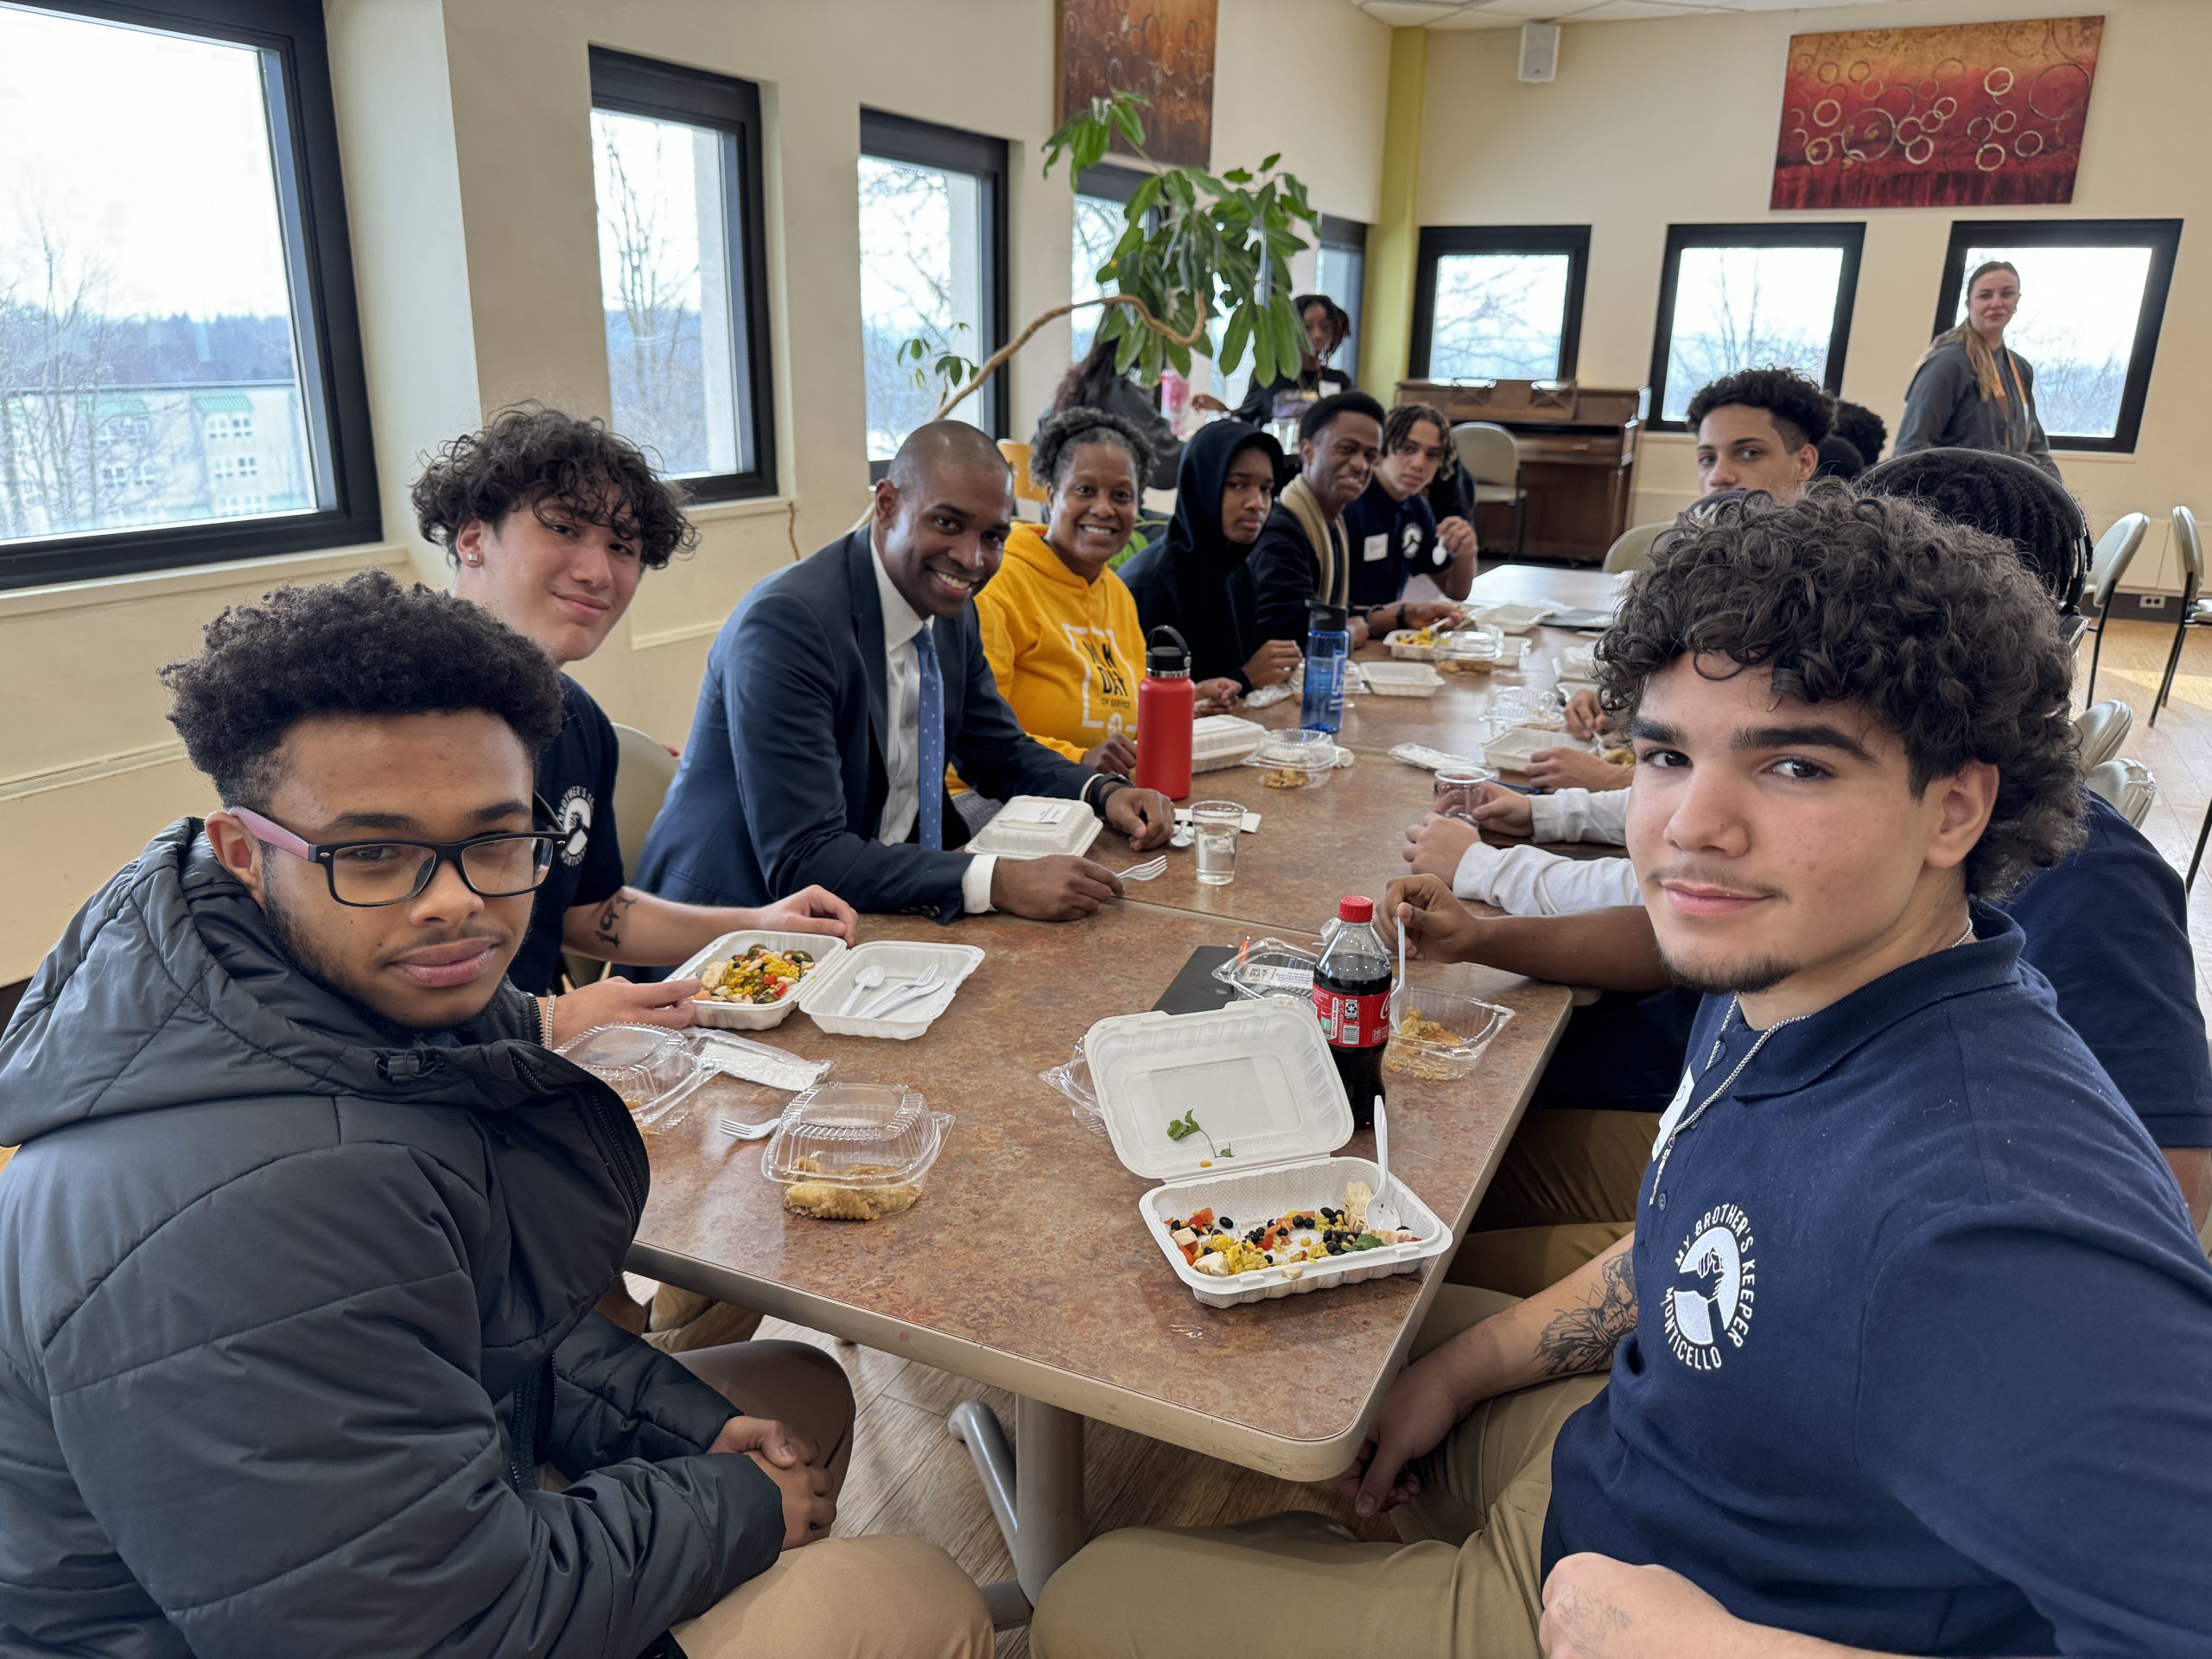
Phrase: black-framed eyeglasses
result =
(392, 871)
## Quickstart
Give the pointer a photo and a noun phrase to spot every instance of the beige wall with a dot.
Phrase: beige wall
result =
(1651, 123)
(465, 130)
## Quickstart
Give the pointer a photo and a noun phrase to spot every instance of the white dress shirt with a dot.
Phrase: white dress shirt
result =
(1529, 882)
(902, 695)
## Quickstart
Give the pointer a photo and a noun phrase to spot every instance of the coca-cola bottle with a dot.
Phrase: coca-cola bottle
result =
(1351, 995)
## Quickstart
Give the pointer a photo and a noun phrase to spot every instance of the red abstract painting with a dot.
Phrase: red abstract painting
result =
(1162, 48)
(1970, 115)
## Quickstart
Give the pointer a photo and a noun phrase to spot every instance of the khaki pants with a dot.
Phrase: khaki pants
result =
(677, 1321)
(1564, 1194)
(879, 1598)
(1471, 1588)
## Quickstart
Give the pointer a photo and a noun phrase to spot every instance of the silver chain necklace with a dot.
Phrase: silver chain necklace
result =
(1735, 1004)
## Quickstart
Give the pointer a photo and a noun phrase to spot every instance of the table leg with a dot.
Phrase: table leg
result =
(1037, 1501)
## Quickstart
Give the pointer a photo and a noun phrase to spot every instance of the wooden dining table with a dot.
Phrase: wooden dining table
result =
(1027, 1265)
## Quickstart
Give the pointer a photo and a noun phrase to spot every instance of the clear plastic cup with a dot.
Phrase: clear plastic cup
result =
(1460, 791)
(1215, 826)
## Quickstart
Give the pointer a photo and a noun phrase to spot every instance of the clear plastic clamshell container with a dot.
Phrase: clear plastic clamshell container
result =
(654, 1070)
(1236, 1110)
(1271, 967)
(863, 1135)
(1401, 679)
(1218, 741)
(1297, 759)
(1038, 826)
(841, 1006)
(823, 948)
(1439, 1036)
(1511, 618)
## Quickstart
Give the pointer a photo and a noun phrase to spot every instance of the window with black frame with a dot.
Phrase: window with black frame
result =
(933, 263)
(1340, 272)
(1742, 297)
(2092, 299)
(1102, 195)
(684, 289)
(1499, 302)
(181, 372)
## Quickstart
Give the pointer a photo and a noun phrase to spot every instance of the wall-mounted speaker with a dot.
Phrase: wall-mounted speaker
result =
(1539, 52)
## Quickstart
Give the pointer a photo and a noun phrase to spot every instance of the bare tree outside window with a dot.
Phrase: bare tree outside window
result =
(1098, 226)
(1748, 307)
(922, 257)
(665, 289)
(119, 340)
(1498, 316)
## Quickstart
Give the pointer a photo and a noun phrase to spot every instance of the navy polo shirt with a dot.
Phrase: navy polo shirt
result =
(1391, 543)
(2109, 929)
(1922, 1359)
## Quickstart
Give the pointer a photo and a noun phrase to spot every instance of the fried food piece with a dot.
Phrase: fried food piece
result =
(827, 1202)
(1286, 778)
(1357, 1195)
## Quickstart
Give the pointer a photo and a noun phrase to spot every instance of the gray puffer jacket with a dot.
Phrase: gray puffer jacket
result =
(289, 1314)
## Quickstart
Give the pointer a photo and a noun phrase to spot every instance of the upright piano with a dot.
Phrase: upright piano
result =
(1578, 460)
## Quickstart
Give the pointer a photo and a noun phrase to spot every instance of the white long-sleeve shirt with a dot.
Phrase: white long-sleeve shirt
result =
(1529, 882)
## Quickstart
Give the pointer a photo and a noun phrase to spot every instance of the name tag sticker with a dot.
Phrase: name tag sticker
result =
(1376, 547)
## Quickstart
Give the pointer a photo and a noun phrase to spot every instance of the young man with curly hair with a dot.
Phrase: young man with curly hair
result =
(298, 1261)
(1906, 1351)
(551, 522)
(1759, 429)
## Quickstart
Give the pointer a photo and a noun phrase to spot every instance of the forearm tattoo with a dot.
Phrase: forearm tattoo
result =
(1583, 1339)
(608, 927)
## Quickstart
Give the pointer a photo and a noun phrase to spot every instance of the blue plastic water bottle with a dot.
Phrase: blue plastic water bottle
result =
(1328, 647)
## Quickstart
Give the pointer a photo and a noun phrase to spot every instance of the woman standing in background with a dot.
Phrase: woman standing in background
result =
(1971, 391)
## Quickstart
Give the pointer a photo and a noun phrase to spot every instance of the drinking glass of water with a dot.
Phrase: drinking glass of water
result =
(1215, 826)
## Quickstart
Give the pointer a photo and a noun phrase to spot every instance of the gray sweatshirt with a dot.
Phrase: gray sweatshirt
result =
(1944, 408)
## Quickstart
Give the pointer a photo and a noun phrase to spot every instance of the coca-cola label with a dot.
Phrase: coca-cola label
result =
(1351, 1021)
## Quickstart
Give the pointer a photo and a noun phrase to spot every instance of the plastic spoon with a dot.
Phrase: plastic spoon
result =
(1381, 1214)
(1398, 998)
(866, 981)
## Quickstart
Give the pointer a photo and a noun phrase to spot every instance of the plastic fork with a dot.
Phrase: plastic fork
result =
(1381, 1214)
(920, 985)
(1146, 870)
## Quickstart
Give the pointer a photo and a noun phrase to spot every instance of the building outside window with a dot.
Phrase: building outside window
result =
(133, 342)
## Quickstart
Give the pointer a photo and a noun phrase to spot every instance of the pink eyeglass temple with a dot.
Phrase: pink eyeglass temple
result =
(275, 834)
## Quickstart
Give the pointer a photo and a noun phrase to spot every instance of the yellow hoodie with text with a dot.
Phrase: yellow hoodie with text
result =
(1067, 653)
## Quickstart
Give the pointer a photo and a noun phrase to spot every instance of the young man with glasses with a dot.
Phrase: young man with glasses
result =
(551, 522)
(297, 1261)
(1907, 1350)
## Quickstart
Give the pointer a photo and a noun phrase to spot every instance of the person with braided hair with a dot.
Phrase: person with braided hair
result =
(1971, 391)
(2004, 496)
(1288, 396)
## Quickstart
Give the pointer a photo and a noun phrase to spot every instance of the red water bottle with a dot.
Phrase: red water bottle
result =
(1351, 995)
(1166, 705)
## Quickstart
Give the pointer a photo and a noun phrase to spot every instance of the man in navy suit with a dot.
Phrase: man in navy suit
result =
(835, 694)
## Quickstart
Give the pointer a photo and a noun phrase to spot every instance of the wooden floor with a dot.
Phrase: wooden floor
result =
(910, 1475)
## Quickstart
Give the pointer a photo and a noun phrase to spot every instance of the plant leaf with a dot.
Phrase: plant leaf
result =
(1268, 165)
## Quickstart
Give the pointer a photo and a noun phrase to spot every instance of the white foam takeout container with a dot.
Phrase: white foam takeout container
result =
(1259, 1074)
(1512, 749)
(900, 961)
(1511, 618)
(1218, 741)
(747, 1016)
(1401, 679)
(1038, 826)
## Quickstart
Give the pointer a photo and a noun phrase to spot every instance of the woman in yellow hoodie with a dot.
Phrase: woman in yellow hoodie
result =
(1061, 629)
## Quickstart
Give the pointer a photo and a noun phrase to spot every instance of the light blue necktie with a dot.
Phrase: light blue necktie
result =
(930, 776)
